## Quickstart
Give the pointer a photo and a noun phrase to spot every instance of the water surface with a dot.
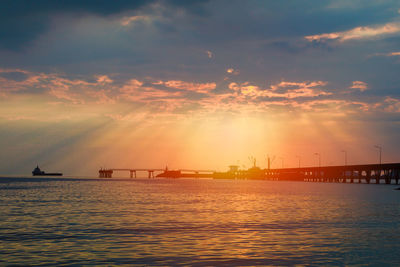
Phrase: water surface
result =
(197, 222)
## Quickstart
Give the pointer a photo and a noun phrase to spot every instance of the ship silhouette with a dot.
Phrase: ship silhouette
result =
(38, 172)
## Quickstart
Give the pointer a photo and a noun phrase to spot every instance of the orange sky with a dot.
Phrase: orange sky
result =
(82, 137)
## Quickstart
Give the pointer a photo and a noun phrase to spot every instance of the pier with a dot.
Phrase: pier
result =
(107, 173)
(387, 173)
(164, 173)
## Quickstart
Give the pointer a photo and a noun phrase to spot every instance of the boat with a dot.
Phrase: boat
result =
(170, 174)
(38, 172)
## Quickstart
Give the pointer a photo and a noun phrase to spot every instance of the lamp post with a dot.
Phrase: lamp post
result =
(380, 153)
(345, 157)
(299, 159)
(282, 161)
(319, 159)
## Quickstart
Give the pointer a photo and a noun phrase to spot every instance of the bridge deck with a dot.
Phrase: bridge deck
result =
(363, 173)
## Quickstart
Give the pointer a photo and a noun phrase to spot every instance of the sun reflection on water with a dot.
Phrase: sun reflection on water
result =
(211, 222)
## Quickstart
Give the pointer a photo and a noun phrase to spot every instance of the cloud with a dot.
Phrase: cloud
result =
(135, 90)
(132, 86)
(391, 105)
(298, 89)
(362, 86)
(159, 97)
(232, 71)
(358, 33)
(102, 96)
(103, 79)
(75, 91)
(390, 54)
(22, 21)
(126, 21)
(30, 80)
(284, 84)
(173, 96)
(162, 96)
(101, 89)
(285, 90)
(25, 20)
(320, 104)
(65, 94)
(195, 87)
(250, 90)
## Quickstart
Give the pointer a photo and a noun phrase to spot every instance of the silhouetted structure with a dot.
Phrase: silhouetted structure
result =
(367, 173)
(38, 172)
(107, 173)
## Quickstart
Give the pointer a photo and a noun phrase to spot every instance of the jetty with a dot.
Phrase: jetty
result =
(387, 173)
(164, 173)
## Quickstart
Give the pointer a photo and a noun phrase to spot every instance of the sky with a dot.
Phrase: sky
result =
(197, 84)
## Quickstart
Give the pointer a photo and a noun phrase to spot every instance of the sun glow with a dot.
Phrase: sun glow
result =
(109, 134)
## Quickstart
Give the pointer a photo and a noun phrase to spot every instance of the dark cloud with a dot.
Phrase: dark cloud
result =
(263, 39)
(14, 75)
(22, 8)
(21, 21)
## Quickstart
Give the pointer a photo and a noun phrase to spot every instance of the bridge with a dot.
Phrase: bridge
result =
(368, 173)
(387, 173)
(107, 173)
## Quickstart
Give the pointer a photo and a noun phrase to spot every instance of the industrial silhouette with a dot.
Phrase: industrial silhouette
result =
(387, 173)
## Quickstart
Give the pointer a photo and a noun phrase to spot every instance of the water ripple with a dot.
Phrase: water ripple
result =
(196, 222)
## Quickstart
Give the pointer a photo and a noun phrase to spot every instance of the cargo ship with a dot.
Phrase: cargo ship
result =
(170, 174)
(185, 174)
(38, 172)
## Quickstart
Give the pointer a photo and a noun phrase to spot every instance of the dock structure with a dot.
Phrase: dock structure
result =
(388, 173)
(163, 173)
(107, 173)
(186, 173)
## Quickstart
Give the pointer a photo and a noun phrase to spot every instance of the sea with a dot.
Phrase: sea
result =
(197, 222)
